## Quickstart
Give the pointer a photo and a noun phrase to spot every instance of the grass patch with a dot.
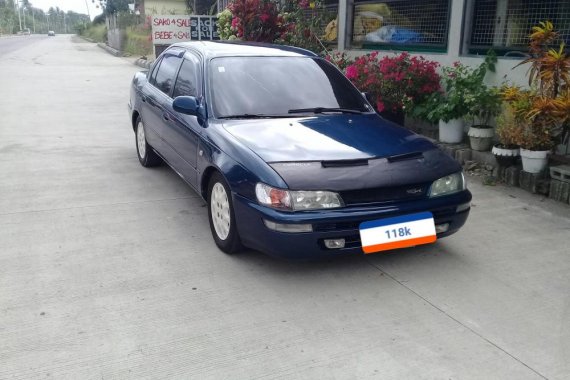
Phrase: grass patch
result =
(137, 41)
(97, 33)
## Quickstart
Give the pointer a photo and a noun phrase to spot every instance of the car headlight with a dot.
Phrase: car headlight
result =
(449, 184)
(296, 200)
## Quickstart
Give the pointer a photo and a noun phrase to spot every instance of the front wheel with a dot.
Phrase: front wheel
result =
(221, 215)
(147, 156)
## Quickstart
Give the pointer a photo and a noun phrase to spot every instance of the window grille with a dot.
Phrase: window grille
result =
(327, 30)
(504, 25)
(404, 24)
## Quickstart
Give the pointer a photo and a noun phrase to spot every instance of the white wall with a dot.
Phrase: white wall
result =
(504, 67)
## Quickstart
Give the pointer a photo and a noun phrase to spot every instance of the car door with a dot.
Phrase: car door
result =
(148, 109)
(158, 103)
(183, 131)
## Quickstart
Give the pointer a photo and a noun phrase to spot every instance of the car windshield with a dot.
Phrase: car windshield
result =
(274, 86)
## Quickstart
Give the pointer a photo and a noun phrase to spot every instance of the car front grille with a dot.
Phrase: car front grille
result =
(384, 194)
(441, 213)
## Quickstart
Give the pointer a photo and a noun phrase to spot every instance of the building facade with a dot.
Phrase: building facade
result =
(449, 30)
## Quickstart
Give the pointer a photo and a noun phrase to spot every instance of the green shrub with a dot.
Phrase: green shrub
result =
(97, 33)
(138, 41)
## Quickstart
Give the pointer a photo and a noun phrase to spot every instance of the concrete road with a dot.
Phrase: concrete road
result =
(108, 270)
(11, 43)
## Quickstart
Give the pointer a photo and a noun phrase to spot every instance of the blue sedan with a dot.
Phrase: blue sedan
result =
(290, 157)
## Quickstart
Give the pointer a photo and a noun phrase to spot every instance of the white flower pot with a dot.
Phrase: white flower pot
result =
(505, 157)
(534, 161)
(481, 138)
(451, 131)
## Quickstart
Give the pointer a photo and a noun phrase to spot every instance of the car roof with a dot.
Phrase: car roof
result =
(211, 49)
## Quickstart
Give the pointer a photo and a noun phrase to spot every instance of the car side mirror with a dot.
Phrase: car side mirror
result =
(189, 105)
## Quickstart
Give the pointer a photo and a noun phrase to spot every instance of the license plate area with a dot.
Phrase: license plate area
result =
(397, 232)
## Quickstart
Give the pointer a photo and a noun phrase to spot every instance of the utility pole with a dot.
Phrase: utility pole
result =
(87, 6)
(33, 20)
(19, 17)
(17, 6)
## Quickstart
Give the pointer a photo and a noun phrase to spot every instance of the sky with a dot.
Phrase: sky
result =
(78, 6)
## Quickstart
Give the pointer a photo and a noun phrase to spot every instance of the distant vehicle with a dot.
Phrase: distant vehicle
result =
(51, 33)
(290, 157)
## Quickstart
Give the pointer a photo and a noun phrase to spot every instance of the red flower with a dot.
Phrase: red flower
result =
(351, 72)
(380, 106)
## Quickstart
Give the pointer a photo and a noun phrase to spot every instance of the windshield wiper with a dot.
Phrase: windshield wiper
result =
(253, 116)
(325, 109)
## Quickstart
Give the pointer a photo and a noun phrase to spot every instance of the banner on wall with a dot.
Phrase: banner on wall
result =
(169, 29)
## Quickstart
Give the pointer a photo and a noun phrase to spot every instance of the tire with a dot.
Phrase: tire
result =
(221, 215)
(145, 152)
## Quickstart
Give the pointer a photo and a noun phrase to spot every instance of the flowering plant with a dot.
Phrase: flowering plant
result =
(339, 59)
(303, 20)
(291, 22)
(225, 29)
(255, 20)
(395, 83)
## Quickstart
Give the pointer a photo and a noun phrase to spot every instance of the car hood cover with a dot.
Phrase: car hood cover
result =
(325, 137)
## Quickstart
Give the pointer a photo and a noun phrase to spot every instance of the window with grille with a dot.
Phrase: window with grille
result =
(504, 25)
(327, 19)
(401, 24)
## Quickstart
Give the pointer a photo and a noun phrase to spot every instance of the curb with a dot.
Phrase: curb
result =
(144, 63)
(110, 50)
(86, 38)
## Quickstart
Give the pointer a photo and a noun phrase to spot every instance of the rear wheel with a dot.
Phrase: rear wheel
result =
(147, 156)
(221, 215)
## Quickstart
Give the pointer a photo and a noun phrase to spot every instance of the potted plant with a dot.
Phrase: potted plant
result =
(541, 112)
(486, 104)
(464, 94)
(507, 151)
(448, 108)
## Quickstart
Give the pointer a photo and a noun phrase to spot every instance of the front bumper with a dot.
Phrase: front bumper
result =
(331, 224)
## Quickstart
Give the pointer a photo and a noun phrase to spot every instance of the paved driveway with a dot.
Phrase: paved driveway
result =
(108, 270)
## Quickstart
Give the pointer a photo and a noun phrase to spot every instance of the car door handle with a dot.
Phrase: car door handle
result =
(165, 116)
(143, 98)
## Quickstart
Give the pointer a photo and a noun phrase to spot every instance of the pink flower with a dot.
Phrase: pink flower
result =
(351, 72)
(380, 106)
(264, 17)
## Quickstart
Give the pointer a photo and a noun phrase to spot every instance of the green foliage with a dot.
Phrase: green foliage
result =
(303, 20)
(507, 129)
(225, 25)
(290, 22)
(138, 41)
(97, 33)
(465, 94)
(99, 19)
(113, 6)
(542, 113)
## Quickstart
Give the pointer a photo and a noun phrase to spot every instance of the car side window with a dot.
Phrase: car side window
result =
(187, 81)
(166, 73)
(152, 76)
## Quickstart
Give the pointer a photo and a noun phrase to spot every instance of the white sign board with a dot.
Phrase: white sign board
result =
(169, 29)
